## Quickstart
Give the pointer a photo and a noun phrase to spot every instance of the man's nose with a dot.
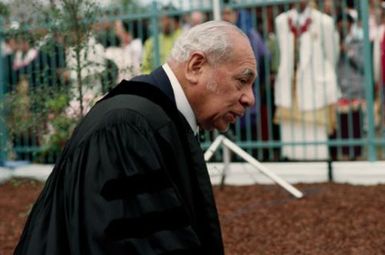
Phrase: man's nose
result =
(248, 98)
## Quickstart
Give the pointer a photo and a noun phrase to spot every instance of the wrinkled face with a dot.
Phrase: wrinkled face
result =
(228, 88)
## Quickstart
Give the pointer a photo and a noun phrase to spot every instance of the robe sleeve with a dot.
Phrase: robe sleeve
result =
(119, 198)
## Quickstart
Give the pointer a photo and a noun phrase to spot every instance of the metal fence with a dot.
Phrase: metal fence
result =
(319, 94)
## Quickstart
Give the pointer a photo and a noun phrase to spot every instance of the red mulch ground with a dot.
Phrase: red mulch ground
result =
(16, 199)
(260, 219)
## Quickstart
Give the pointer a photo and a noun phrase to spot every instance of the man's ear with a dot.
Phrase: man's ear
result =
(194, 66)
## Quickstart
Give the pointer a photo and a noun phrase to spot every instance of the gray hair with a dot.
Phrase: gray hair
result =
(212, 38)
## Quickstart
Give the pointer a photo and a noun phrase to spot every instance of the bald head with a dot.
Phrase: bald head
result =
(213, 38)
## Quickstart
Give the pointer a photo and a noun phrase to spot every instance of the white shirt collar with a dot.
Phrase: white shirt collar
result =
(181, 100)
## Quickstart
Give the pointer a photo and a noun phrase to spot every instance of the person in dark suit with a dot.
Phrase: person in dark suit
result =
(132, 179)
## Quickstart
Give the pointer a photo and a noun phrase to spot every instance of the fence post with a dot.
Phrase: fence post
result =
(368, 81)
(3, 131)
(217, 10)
(155, 32)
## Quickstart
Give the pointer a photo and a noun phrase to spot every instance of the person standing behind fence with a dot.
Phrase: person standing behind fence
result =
(306, 85)
(128, 55)
(243, 20)
(132, 179)
(379, 74)
(85, 74)
(170, 31)
(350, 73)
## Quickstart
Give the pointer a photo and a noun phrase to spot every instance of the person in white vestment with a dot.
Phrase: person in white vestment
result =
(305, 87)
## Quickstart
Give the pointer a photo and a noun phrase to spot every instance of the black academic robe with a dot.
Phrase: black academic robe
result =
(131, 180)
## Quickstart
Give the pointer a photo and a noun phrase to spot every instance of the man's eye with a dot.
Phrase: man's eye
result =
(243, 81)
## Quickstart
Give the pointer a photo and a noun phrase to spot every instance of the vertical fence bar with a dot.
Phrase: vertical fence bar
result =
(267, 91)
(217, 10)
(155, 33)
(3, 131)
(368, 81)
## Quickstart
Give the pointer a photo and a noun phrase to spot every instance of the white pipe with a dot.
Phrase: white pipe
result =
(243, 154)
(217, 10)
(226, 156)
(213, 147)
(226, 163)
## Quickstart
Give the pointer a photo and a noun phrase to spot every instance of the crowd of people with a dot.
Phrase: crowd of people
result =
(310, 65)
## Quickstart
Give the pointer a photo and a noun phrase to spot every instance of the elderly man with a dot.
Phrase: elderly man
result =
(132, 179)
